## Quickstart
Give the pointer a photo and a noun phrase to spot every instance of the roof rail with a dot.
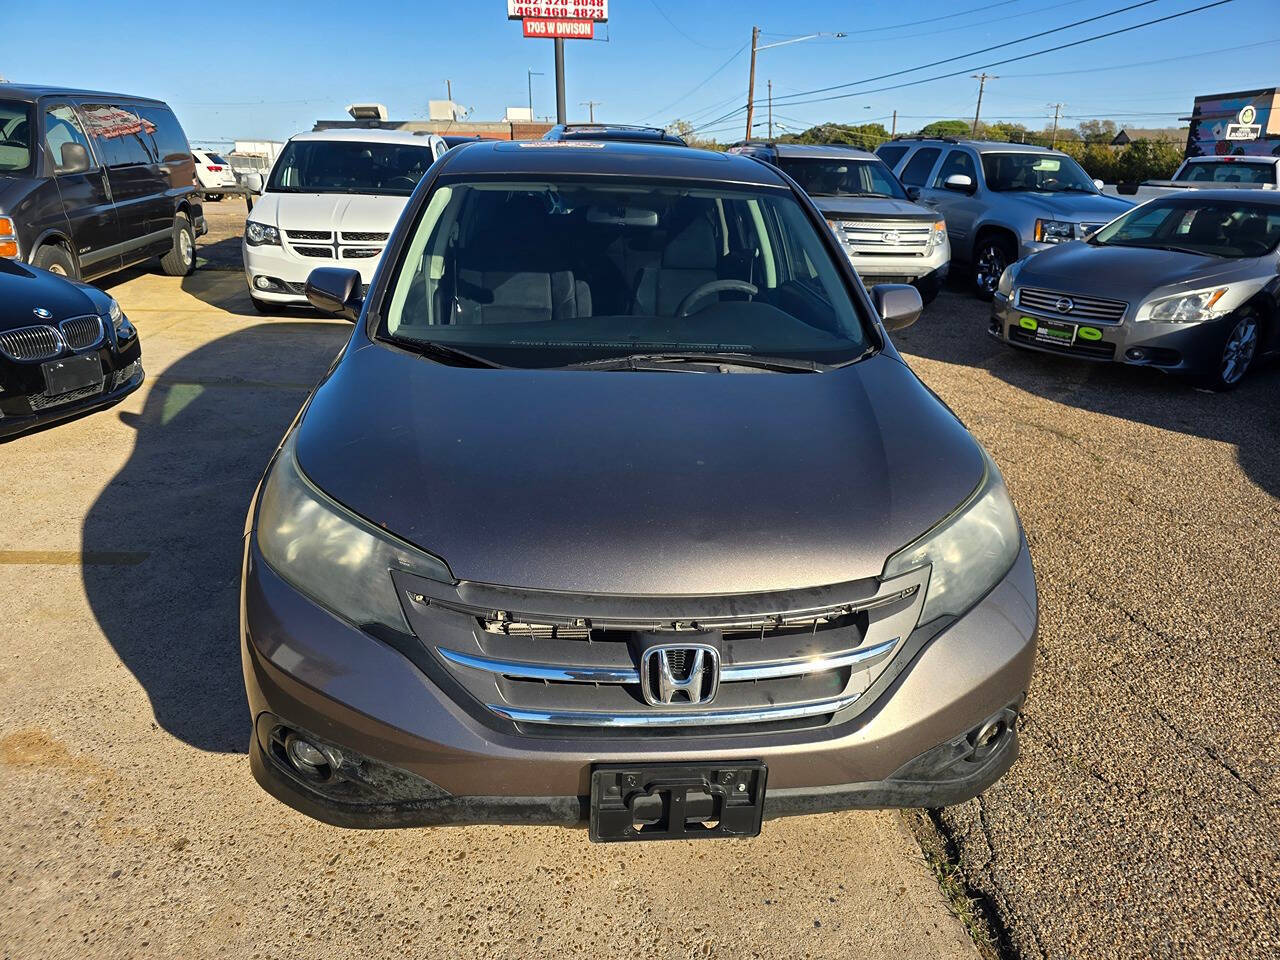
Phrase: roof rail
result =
(917, 136)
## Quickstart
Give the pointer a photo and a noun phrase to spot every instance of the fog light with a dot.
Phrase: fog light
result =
(313, 762)
(1135, 353)
(263, 283)
(988, 737)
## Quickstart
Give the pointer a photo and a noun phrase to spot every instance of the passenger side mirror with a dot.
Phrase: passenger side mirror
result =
(959, 182)
(252, 182)
(1099, 184)
(913, 193)
(75, 158)
(336, 290)
(898, 304)
(1126, 189)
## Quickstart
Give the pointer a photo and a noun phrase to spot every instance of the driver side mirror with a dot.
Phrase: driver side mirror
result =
(960, 182)
(913, 193)
(1099, 184)
(898, 304)
(252, 182)
(336, 290)
(75, 158)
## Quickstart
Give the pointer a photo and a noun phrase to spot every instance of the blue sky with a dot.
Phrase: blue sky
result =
(267, 70)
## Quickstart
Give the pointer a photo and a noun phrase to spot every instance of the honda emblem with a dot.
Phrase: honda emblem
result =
(680, 673)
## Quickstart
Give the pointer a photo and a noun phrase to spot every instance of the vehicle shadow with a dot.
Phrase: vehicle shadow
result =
(173, 518)
(953, 330)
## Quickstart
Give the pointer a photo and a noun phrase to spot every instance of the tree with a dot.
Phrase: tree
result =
(1097, 131)
(946, 128)
(685, 130)
(868, 136)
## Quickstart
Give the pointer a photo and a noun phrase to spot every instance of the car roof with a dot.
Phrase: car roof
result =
(366, 135)
(1234, 158)
(33, 92)
(1270, 198)
(611, 158)
(982, 146)
(826, 151)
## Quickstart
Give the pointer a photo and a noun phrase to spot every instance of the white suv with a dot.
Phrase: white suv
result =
(331, 200)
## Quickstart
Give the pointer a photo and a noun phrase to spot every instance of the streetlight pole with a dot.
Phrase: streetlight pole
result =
(561, 112)
(751, 76)
(532, 73)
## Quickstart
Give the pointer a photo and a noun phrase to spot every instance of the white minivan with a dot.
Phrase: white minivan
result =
(331, 199)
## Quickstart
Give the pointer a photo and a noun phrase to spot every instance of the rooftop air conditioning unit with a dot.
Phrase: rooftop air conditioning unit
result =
(367, 111)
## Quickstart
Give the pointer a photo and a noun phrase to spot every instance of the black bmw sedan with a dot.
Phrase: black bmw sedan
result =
(65, 348)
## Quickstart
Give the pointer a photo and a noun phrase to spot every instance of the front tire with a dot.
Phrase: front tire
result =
(181, 258)
(56, 260)
(992, 254)
(1239, 350)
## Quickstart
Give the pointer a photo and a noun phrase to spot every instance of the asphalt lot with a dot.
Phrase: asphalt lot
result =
(1141, 820)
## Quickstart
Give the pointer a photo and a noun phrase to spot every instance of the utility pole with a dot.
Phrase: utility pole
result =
(770, 109)
(751, 80)
(591, 108)
(532, 73)
(1057, 108)
(448, 86)
(894, 132)
(561, 112)
(982, 79)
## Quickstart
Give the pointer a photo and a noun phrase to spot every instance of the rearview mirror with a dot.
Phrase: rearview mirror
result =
(75, 158)
(960, 182)
(252, 182)
(898, 304)
(336, 290)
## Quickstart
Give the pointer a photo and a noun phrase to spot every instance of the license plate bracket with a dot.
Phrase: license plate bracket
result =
(1060, 333)
(676, 801)
(72, 373)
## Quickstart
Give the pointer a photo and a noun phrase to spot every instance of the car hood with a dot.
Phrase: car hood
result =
(639, 482)
(875, 208)
(329, 211)
(1075, 207)
(1126, 273)
(23, 289)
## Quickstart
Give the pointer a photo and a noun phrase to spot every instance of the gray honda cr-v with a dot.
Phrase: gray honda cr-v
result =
(620, 508)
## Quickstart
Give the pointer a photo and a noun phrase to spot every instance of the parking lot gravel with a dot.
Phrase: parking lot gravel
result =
(1142, 818)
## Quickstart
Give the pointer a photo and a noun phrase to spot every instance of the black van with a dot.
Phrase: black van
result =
(94, 182)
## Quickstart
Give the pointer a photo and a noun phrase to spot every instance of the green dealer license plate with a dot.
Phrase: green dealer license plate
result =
(1059, 333)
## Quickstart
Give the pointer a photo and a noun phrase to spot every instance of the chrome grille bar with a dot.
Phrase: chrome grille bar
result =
(673, 718)
(1082, 307)
(81, 333)
(31, 343)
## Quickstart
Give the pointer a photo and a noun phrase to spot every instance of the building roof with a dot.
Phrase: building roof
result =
(600, 158)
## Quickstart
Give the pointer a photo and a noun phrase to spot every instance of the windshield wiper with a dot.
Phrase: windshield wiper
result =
(443, 353)
(1159, 246)
(656, 361)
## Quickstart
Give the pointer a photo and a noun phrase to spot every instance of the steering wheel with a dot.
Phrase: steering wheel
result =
(401, 182)
(714, 286)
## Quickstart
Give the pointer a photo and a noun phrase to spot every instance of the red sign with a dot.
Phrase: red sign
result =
(559, 29)
(597, 10)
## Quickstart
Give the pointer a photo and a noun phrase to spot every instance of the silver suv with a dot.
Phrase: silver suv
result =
(888, 238)
(1001, 201)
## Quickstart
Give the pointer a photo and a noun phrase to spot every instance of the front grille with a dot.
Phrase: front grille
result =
(81, 333)
(885, 238)
(31, 343)
(323, 252)
(122, 376)
(42, 401)
(365, 237)
(1092, 309)
(309, 234)
(360, 253)
(786, 660)
(1094, 350)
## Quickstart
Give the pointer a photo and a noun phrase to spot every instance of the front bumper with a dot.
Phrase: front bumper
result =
(23, 383)
(1188, 348)
(931, 268)
(289, 271)
(421, 758)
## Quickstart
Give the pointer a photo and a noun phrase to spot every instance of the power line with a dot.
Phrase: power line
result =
(1025, 56)
(676, 27)
(1146, 63)
(974, 53)
(949, 16)
(709, 77)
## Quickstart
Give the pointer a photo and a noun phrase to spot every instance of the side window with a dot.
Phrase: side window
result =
(958, 161)
(61, 127)
(918, 167)
(891, 154)
(170, 142)
(120, 134)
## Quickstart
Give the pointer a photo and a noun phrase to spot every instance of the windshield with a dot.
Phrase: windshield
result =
(349, 166)
(545, 274)
(1039, 172)
(15, 137)
(820, 177)
(1226, 171)
(1220, 228)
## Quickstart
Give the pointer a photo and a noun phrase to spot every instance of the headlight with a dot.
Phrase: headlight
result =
(968, 552)
(836, 229)
(1007, 276)
(123, 329)
(938, 235)
(338, 559)
(1054, 231)
(1186, 308)
(257, 234)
